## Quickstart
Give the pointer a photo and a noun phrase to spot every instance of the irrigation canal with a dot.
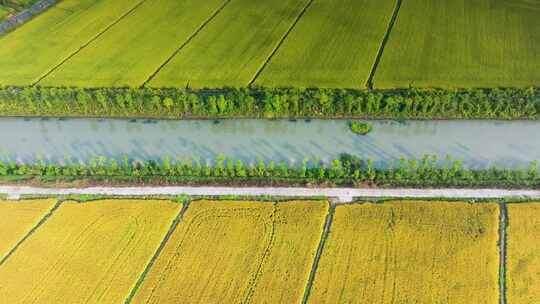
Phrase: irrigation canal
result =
(477, 143)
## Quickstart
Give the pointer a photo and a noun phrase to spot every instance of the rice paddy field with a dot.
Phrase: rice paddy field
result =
(160, 251)
(410, 252)
(17, 219)
(523, 257)
(131, 51)
(334, 45)
(462, 43)
(244, 252)
(294, 43)
(233, 47)
(86, 253)
(33, 50)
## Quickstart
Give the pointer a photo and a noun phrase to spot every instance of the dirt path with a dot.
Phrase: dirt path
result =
(343, 195)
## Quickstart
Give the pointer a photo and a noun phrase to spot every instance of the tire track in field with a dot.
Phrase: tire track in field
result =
(503, 224)
(281, 41)
(383, 44)
(160, 248)
(34, 229)
(99, 34)
(324, 236)
(267, 251)
(191, 37)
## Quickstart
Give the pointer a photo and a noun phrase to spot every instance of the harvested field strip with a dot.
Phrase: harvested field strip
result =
(523, 253)
(131, 51)
(87, 252)
(410, 252)
(231, 49)
(17, 219)
(242, 251)
(334, 45)
(461, 43)
(32, 50)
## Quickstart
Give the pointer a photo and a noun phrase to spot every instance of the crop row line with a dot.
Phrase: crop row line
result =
(27, 235)
(160, 248)
(280, 43)
(89, 42)
(383, 44)
(324, 236)
(503, 224)
(190, 38)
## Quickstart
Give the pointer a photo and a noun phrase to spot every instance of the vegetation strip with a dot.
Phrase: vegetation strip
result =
(271, 103)
(152, 261)
(348, 170)
(39, 224)
(383, 44)
(89, 42)
(503, 224)
(265, 63)
(200, 28)
(320, 248)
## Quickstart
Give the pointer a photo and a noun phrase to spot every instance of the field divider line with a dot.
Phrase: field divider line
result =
(280, 43)
(160, 248)
(324, 236)
(99, 34)
(29, 233)
(383, 44)
(503, 224)
(183, 45)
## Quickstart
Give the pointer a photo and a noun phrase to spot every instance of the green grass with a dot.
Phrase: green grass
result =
(133, 49)
(4, 12)
(32, 50)
(231, 48)
(463, 43)
(334, 45)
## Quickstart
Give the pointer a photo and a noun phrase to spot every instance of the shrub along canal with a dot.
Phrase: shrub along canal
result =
(478, 144)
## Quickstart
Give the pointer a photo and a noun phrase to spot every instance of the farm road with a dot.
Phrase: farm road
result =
(343, 195)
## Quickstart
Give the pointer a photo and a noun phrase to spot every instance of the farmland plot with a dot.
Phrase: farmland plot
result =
(86, 253)
(133, 49)
(231, 49)
(17, 219)
(463, 43)
(523, 253)
(237, 252)
(334, 45)
(410, 252)
(32, 50)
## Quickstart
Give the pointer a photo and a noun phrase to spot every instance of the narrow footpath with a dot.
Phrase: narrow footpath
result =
(342, 195)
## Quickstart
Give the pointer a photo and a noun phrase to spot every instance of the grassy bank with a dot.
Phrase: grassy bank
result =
(346, 171)
(271, 103)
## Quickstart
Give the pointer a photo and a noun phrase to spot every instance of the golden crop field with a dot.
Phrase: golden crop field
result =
(523, 253)
(18, 218)
(87, 252)
(410, 252)
(230, 252)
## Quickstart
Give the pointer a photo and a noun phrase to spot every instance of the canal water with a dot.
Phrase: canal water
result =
(477, 143)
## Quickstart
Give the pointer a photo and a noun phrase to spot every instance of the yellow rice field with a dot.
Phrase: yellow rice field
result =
(232, 252)
(18, 218)
(523, 253)
(410, 252)
(87, 252)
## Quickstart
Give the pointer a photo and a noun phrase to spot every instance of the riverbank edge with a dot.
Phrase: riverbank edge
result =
(271, 103)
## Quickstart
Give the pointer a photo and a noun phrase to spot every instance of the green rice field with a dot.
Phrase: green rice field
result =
(463, 43)
(334, 45)
(338, 44)
(130, 52)
(33, 50)
(241, 37)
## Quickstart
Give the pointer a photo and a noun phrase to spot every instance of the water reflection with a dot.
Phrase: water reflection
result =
(477, 143)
